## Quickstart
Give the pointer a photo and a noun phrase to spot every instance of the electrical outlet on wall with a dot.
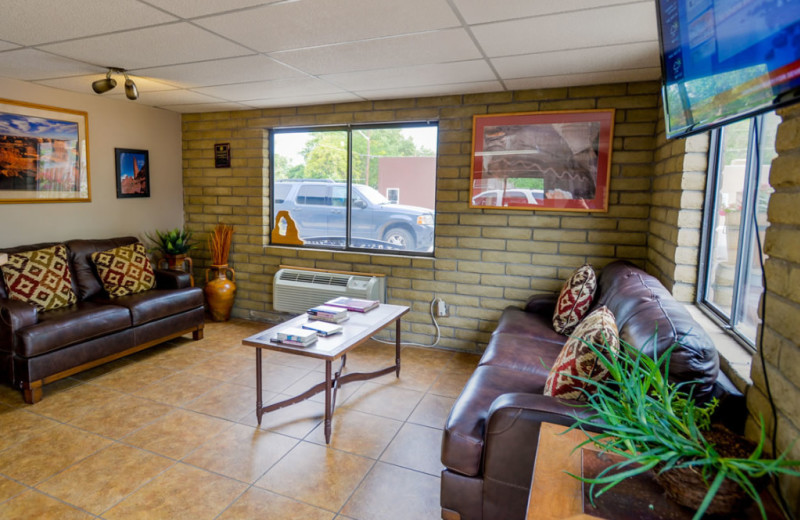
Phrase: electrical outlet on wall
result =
(441, 308)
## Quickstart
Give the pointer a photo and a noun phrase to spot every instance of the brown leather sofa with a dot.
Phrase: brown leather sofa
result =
(489, 442)
(40, 347)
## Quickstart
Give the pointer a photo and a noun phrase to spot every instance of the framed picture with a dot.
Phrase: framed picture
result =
(558, 161)
(43, 154)
(133, 173)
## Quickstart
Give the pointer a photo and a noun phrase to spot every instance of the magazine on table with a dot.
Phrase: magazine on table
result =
(353, 304)
(322, 328)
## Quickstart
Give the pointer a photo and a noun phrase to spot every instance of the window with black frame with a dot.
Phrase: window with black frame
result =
(359, 187)
(737, 194)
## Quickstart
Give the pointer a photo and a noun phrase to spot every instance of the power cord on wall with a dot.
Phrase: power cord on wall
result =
(435, 324)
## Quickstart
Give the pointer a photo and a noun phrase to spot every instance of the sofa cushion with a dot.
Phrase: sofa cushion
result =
(124, 270)
(75, 324)
(576, 359)
(155, 304)
(85, 280)
(575, 299)
(40, 277)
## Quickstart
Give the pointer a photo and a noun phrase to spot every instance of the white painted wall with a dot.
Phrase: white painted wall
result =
(113, 123)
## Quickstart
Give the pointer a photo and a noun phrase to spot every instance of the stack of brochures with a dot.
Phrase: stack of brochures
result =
(353, 304)
(297, 337)
(328, 313)
(322, 328)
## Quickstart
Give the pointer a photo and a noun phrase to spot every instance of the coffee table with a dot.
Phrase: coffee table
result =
(357, 330)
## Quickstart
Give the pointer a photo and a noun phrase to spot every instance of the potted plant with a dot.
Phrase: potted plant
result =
(657, 425)
(172, 245)
(220, 291)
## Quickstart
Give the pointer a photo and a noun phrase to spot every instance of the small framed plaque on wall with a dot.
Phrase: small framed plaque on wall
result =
(222, 155)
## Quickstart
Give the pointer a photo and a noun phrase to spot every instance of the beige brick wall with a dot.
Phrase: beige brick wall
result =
(484, 260)
(676, 211)
(781, 346)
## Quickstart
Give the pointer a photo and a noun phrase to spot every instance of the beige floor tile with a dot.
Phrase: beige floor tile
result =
(118, 417)
(463, 362)
(316, 475)
(41, 507)
(221, 367)
(181, 492)
(314, 377)
(9, 489)
(392, 493)
(416, 447)
(432, 411)
(357, 432)
(291, 360)
(177, 434)
(132, 377)
(241, 452)
(70, 404)
(275, 378)
(181, 358)
(295, 421)
(226, 401)
(178, 389)
(450, 384)
(413, 377)
(100, 481)
(385, 400)
(259, 504)
(18, 424)
(216, 345)
(426, 356)
(48, 453)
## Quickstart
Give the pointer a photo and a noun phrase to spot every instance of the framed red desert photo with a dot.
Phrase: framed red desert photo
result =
(558, 161)
(133, 173)
(43, 153)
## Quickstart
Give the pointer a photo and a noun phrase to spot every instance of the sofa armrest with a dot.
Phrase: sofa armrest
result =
(172, 279)
(14, 315)
(543, 304)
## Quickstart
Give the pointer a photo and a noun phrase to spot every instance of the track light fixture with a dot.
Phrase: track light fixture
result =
(102, 86)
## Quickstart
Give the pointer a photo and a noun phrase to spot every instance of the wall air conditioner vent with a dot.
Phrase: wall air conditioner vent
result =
(296, 290)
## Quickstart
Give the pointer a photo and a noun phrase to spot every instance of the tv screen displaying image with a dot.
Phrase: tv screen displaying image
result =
(724, 60)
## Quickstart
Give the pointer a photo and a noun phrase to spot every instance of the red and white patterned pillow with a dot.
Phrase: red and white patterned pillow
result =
(124, 270)
(575, 299)
(40, 277)
(577, 359)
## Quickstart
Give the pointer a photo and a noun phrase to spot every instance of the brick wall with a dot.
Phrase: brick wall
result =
(484, 260)
(781, 346)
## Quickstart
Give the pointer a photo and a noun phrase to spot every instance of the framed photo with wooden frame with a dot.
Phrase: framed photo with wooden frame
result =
(44, 153)
(133, 173)
(556, 161)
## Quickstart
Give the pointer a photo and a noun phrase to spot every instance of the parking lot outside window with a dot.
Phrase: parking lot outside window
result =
(365, 187)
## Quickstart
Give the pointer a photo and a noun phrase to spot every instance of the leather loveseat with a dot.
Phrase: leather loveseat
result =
(40, 347)
(490, 438)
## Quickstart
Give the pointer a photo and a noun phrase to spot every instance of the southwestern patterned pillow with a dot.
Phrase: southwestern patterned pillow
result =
(40, 277)
(577, 359)
(124, 270)
(575, 298)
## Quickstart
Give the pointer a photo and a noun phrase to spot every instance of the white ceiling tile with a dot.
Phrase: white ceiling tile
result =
(149, 47)
(83, 84)
(577, 30)
(169, 97)
(38, 21)
(592, 78)
(30, 64)
(222, 72)
(481, 11)
(597, 59)
(434, 90)
(204, 107)
(270, 89)
(192, 8)
(415, 76)
(4, 46)
(399, 51)
(309, 23)
(301, 100)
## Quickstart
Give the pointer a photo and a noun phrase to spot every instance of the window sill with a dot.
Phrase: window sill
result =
(734, 359)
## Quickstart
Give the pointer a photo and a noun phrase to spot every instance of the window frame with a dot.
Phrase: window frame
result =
(744, 253)
(349, 129)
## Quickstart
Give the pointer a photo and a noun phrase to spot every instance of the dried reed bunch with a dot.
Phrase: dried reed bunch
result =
(219, 243)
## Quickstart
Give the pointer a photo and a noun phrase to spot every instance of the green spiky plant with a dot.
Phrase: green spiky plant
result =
(175, 242)
(655, 424)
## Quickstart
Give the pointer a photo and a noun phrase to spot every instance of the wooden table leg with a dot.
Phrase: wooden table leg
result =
(328, 411)
(259, 410)
(397, 346)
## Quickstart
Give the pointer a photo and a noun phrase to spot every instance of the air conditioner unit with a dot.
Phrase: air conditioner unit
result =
(296, 290)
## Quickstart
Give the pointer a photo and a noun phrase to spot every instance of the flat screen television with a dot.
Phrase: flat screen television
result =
(724, 60)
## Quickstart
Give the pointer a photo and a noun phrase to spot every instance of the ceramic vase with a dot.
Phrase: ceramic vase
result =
(220, 291)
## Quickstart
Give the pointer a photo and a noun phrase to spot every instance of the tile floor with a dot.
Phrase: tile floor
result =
(171, 433)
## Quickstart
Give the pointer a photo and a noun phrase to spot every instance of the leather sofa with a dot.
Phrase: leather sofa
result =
(490, 438)
(40, 347)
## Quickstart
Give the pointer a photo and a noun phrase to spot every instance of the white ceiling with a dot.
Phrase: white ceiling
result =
(208, 55)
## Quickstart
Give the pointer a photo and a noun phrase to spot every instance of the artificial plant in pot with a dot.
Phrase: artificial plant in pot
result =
(173, 246)
(220, 290)
(657, 425)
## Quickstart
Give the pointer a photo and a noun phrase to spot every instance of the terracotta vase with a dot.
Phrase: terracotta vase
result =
(220, 292)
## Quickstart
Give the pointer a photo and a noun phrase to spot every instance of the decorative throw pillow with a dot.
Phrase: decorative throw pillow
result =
(124, 270)
(575, 298)
(577, 359)
(40, 277)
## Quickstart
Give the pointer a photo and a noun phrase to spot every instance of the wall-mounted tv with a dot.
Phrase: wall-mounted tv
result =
(724, 60)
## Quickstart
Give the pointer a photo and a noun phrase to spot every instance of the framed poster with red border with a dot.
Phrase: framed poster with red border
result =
(556, 161)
